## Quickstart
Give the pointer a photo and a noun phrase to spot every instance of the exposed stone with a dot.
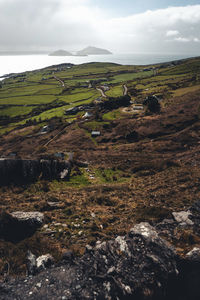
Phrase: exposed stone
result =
(194, 255)
(19, 225)
(33, 217)
(182, 218)
(43, 262)
(54, 205)
(31, 263)
(139, 265)
(35, 265)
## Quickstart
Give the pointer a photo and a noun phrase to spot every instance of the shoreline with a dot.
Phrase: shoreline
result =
(26, 63)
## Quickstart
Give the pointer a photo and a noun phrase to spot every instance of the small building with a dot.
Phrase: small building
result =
(45, 129)
(138, 107)
(87, 115)
(95, 133)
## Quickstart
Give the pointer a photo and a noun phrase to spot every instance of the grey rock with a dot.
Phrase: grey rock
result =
(32, 217)
(194, 255)
(31, 263)
(36, 265)
(43, 262)
(19, 225)
(182, 218)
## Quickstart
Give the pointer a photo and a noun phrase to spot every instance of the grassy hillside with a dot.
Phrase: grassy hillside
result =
(142, 166)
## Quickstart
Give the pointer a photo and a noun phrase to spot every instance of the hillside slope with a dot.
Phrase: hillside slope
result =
(142, 167)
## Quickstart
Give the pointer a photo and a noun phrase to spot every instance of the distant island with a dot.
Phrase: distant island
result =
(93, 51)
(61, 53)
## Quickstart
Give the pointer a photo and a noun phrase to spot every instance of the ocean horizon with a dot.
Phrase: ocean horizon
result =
(22, 63)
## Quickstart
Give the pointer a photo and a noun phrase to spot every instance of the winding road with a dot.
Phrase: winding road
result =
(125, 90)
(102, 92)
(62, 82)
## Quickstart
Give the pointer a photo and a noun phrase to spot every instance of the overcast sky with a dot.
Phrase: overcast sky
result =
(119, 25)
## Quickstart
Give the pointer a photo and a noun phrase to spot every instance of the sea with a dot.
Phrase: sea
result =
(21, 63)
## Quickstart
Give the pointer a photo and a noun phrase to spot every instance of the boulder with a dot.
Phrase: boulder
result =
(139, 265)
(43, 262)
(183, 218)
(36, 265)
(19, 225)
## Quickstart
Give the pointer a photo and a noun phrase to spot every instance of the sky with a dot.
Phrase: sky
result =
(122, 26)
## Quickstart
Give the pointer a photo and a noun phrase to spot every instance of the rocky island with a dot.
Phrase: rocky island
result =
(93, 51)
(61, 53)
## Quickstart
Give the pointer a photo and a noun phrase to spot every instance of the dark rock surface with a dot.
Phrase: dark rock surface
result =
(26, 170)
(189, 278)
(19, 225)
(138, 266)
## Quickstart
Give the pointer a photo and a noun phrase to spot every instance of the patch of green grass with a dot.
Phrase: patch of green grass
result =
(110, 175)
(24, 100)
(187, 66)
(130, 76)
(112, 115)
(15, 111)
(75, 181)
(115, 91)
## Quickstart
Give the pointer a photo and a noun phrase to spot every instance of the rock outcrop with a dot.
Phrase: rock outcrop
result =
(26, 170)
(139, 265)
(17, 226)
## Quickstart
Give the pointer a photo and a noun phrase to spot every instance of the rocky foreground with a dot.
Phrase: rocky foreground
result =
(140, 265)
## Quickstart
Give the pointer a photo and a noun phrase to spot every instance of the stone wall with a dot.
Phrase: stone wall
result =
(20, 171)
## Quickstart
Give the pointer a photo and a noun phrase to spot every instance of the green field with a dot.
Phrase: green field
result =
(38, 95)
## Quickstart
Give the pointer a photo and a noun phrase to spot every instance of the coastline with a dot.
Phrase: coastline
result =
(22, 63)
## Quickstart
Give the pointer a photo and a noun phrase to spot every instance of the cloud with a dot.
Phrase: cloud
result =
(73, 24)
(154, 30)
(47, 23)
(182, 39)
(196, 40)
(172, 33)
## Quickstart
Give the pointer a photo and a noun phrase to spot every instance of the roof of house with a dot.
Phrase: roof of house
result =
(95, 132)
